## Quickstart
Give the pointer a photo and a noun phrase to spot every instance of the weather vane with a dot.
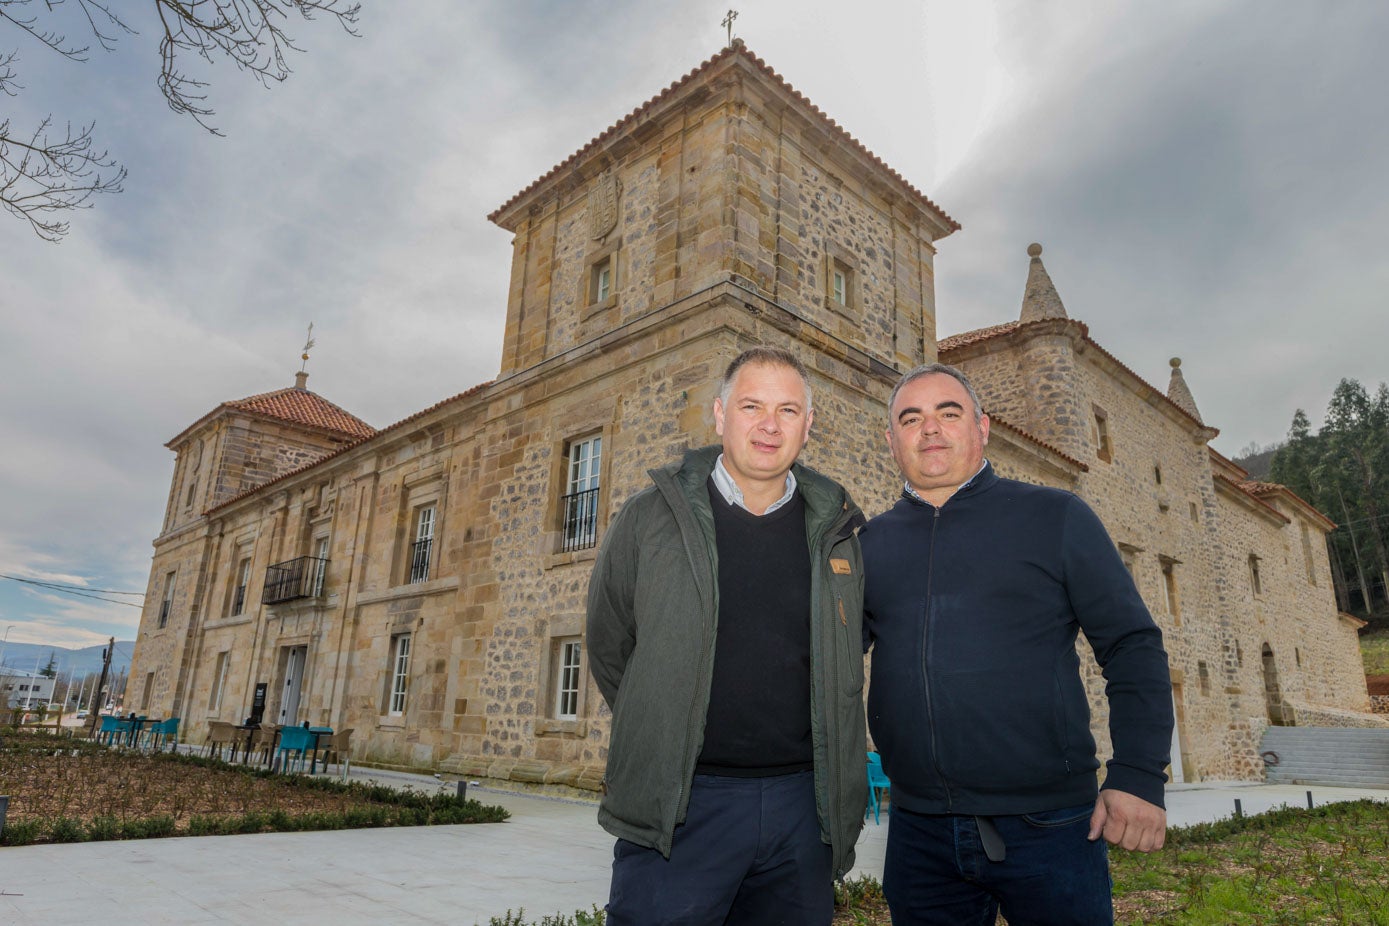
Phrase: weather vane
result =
(728, 21)
(307, 345)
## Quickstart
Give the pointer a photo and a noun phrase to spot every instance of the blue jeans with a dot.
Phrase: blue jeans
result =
(748, 854)
(936, 871)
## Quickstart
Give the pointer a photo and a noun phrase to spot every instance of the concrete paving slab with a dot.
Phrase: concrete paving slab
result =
(550, 857)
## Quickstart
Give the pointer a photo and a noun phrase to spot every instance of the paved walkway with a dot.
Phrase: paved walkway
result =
(550, 857)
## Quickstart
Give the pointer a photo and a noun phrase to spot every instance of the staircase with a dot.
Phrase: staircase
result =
(1344, 757)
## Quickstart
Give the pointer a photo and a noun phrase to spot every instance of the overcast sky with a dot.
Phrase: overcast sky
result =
(1207, 178)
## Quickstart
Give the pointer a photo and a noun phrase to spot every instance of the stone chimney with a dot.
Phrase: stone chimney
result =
(300, 379)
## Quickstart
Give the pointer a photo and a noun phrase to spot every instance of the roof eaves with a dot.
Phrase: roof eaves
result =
(735, 49)
(468, 393)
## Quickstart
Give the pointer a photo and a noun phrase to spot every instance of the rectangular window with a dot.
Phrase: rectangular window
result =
(168, 601)
(567, 680)
(400, 674)
(219, 680)
(1204, 675)
(423, 546)
(1256, 585)
(148, 692)
(243, 579)
(1169, 589)
(841, 279)
(580, 508)
(1102, 446)
(320, 567)
(1307, 560)
(602, 281)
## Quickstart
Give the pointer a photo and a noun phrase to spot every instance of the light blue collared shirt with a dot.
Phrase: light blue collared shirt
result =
(734, 495)
(907, 486)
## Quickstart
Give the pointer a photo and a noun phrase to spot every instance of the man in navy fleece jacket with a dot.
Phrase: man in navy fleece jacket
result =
(976, 589)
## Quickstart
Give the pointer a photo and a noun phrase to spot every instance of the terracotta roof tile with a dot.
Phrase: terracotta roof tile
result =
(997, 421)
(736, 49)
(299, 406)
(956, 341)
(1260, 490)
(468, 393)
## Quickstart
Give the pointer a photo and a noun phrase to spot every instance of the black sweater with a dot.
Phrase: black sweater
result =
(972, 609)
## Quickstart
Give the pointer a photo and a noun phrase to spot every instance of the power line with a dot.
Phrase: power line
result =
(70, 590)
(77, 588)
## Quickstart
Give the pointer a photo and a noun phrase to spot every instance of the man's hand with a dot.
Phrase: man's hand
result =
(1128, 821)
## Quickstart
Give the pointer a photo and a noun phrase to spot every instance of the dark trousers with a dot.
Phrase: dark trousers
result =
(937, 872)
(748, 854)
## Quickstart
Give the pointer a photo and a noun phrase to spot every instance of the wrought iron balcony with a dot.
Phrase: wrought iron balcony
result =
(294, 579)
(580, 525)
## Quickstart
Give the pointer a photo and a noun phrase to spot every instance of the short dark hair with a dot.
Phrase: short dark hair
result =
(770, 356)
(931, 369)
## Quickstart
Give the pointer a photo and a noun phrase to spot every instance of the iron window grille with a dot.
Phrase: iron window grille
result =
(580, 521)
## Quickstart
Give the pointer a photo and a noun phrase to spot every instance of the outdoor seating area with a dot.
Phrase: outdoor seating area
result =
(287, 749)
(138, 732)
(301, 748)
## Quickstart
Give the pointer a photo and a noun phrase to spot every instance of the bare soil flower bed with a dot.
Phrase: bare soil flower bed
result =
(63, 790)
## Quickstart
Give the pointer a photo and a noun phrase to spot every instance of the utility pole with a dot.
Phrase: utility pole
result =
(101, 683)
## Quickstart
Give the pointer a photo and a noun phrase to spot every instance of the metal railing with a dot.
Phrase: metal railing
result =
(293, 579)
(419, 559)
(579, 530)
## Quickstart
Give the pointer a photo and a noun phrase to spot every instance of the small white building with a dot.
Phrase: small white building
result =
(19, 688)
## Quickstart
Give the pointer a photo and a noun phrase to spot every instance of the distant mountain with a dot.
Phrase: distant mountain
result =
(1258, 463)
(28, 656)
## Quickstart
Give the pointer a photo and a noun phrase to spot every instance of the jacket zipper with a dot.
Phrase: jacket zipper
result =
(926, 659)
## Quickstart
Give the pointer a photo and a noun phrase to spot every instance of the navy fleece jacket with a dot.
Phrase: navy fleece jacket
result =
(972, 610)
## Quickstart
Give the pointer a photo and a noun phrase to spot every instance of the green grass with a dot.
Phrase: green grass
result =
(1292, 866)
(1374, 647)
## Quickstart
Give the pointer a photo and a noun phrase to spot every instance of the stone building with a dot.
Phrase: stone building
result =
(424, 584)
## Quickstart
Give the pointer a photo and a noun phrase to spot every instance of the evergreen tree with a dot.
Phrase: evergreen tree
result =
(50, 670)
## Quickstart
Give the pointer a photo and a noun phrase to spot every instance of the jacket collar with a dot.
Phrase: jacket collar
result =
(979, 482)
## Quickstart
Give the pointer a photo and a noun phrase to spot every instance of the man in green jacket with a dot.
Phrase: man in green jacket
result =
(724, 631)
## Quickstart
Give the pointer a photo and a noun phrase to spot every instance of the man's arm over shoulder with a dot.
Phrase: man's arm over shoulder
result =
(611, 627)
(1128, 647)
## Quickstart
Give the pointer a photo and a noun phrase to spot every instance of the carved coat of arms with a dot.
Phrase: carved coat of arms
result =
(602, 205)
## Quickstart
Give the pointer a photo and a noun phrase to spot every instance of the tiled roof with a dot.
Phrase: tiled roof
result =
(996, 421)
(339, 452)
(1260, 489)
(299, 406)
(958, 341)
(736, 49)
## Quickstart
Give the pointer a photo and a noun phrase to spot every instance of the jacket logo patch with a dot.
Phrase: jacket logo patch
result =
(841, 567)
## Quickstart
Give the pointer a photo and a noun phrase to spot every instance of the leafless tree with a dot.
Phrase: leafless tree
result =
(47, 172)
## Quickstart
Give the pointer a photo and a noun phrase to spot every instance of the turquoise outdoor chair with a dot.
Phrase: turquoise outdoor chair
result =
(295, 742)
(157, 734)
(877, 781)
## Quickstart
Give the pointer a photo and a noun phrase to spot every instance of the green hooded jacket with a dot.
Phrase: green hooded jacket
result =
(652, 616)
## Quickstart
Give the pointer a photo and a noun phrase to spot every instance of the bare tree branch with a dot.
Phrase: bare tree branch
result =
(43, 174)
(52, 174)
